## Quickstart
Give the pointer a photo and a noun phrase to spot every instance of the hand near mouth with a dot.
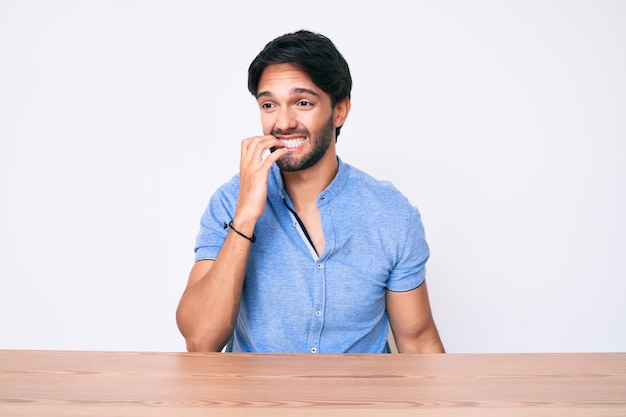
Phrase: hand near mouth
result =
(254, 167)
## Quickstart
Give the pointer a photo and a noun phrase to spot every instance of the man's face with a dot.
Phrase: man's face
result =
(298, 113)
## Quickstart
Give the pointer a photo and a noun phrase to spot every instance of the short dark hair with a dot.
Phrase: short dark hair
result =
(314, 54)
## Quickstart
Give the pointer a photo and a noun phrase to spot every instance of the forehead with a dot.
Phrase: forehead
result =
(281, 78)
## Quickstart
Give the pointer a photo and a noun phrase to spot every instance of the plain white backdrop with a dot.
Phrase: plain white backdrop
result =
(503, 121)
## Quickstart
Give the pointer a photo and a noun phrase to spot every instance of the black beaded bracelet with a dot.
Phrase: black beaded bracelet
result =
(230, 224)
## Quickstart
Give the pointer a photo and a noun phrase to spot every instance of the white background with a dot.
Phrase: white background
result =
(504, 122)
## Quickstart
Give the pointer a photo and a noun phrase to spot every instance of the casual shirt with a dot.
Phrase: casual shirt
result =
(296, 301)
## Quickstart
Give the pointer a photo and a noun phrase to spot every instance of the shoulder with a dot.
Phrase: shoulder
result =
(362, 185)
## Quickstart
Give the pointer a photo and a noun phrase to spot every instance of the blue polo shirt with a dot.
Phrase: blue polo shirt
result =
(296, 301)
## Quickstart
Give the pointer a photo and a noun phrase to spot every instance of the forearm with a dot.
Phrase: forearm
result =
(207, 312)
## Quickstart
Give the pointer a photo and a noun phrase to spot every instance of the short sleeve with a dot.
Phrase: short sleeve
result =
(219, 211)
(410, 269)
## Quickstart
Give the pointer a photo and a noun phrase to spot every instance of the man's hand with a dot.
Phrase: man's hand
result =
(254, 169)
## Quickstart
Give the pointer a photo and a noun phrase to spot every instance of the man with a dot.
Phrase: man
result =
(301, 252)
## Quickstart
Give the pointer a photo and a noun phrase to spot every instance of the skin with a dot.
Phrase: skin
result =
(298, 123)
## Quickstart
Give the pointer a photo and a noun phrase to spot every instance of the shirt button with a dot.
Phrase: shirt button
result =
(318, 313)
(320, 266)
(313, 350)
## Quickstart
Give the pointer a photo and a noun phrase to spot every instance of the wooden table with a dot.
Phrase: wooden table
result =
(65, 383)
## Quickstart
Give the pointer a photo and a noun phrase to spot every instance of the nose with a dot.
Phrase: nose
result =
(286, 119)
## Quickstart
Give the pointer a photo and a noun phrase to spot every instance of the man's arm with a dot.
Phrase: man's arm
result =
(207, 311)
(412, 321)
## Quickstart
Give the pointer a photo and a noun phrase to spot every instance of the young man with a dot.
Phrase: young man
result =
(301, 252)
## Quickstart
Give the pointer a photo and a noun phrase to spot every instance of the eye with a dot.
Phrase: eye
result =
(304, 103)
(267, 105)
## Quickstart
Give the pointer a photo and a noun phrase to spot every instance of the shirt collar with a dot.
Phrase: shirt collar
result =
(328, 194)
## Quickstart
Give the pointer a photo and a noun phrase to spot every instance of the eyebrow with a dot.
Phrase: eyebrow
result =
(297, 90)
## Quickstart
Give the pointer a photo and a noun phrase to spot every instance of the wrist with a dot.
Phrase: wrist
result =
(243, 224)
(251, 238)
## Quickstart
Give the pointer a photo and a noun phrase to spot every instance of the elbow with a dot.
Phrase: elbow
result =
(193, 341)
(203, 343)
(196, 345)
(202, 335)
(424, 341)
(202, 340)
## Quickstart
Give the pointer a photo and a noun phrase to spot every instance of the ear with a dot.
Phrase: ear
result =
(341, 111)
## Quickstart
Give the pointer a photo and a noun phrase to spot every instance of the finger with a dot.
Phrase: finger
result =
(257, 144)
(255, 149)
(274, 156)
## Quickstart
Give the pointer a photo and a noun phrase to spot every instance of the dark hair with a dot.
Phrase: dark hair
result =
(314, 54)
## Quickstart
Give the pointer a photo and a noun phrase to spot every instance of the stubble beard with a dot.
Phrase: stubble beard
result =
(321, 143)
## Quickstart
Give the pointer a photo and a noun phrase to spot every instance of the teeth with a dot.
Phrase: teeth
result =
(292, 143)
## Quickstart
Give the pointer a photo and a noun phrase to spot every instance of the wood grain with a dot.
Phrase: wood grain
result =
(65, 383)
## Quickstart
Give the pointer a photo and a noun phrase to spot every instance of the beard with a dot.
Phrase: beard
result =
(319, 143)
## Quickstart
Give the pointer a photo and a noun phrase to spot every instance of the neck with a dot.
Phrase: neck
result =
(305, 186)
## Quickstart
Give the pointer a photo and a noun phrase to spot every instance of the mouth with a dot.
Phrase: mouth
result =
(293, 143)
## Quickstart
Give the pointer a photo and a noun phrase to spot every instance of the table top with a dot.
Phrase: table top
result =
(80, 383)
